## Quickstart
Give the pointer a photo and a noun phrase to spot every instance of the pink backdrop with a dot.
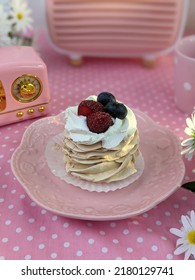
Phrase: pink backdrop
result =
(28, 231)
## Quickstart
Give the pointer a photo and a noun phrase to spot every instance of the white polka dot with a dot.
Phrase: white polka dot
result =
(53, 255)
(79, 253)
(54, 218)
(33, 204)
(41, 246)
(145, 215)
(115, 241)
(18, 229)
(31, 220)
(27, 257)
(66, 225)
(163, 238)
(16, 248)
(112, 224)
(78, 232)
(158, 223)
(7, 222)
(169, 256)
(154, 248)
(167, 213)
(66, 244)
(42, 228)
(125, 231)
(102, 232)
(104, 250)
(176, 206)
(29, 238)
(21, 212)
(54, 236)
(187, 86)
(5, 240)
(129, 250)
(43, 211)
(140, 239)
(91, 241)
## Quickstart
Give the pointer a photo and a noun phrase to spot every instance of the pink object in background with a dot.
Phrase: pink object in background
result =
(185, 74)
(24, 89)
(112, 28)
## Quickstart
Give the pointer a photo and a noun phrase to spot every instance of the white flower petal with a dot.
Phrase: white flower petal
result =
(189, 152)
(186, 223)
(188, 253)
(181, 241)
(190, 123)
(188, 131)
(181, 249)
(193, 118)
(192, 217)
(188, 142)
(176, 232)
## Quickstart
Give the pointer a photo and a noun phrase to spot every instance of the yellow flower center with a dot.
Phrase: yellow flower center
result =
(191, 237)
(20, 16)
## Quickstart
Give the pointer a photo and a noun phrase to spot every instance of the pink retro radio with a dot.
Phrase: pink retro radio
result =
(24, 89)
(115, 28)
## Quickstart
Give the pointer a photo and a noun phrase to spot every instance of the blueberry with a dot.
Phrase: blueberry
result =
(105, 97)
(116, 110)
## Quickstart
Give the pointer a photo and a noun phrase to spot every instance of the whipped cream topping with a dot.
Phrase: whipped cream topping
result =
(119, 131)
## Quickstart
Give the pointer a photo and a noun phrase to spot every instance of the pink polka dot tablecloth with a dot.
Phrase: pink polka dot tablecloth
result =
(28, 231)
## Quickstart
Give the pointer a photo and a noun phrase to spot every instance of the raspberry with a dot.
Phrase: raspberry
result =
(87, 107)
(99, 122)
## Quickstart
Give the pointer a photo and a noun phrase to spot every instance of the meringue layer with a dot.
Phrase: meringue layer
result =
(104, 157)
(98, 164)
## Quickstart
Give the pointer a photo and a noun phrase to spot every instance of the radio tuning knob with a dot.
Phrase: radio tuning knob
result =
(20, 114)
(41, 108)
(30, 111)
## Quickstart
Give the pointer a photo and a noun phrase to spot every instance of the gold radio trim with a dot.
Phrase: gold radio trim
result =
(26, 88)
(2, 97)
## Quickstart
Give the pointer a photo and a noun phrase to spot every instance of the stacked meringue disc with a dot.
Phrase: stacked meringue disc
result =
(99, 145)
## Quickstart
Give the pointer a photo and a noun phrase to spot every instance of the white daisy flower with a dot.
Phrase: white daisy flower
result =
(186, 242)
(20, 15)
(4, 27)
(189, 143)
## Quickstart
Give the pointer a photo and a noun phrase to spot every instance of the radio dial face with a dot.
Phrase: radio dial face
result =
(26, 88)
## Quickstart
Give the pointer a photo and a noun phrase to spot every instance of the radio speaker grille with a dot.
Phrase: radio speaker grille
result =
(134, 27)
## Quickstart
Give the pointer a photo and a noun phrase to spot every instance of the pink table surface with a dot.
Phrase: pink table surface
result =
(28, 231)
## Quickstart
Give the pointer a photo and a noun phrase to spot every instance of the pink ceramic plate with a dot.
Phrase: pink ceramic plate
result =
(163, 174)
